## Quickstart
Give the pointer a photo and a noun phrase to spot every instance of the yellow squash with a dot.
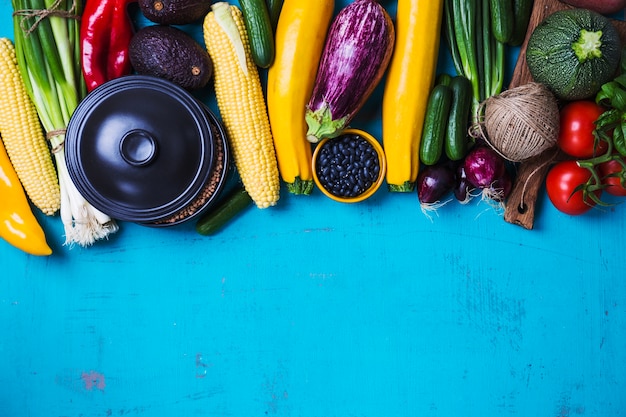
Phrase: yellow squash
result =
(409, 80)
(300, 36)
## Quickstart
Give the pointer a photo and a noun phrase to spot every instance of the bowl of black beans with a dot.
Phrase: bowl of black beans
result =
(349, 167)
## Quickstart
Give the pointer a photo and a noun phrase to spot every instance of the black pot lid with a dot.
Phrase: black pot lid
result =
(139, 148)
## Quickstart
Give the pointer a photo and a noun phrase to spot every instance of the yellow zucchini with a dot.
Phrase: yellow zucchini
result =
(410, 78)
(300, 36)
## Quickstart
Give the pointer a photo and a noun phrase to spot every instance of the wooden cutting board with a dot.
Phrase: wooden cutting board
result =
(520, 206)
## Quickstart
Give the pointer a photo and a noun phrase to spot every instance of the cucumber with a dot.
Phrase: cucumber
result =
(501, 19)
(435, 122)
(233, 204)
(259, 27)
(521, 17)
(443, 78)
(274, 7)
(456, 143)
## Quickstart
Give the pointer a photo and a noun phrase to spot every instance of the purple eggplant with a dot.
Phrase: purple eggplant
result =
(356, 54)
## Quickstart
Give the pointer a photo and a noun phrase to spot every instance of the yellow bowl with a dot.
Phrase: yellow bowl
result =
(382, 163)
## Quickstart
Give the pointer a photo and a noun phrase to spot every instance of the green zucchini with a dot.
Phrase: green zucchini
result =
(501, 20)
(573, 52)
(232, 205)
(435, 123)
(521, 17)
(256, 18)
(456, 143)
(274, 7)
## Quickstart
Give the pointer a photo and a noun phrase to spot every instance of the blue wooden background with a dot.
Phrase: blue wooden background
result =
(314, 308)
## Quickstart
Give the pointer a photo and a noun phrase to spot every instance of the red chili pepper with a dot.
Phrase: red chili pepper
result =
(105, 32)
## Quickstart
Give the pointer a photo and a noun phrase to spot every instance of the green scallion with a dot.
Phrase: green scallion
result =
(476, 54)
(47, 46)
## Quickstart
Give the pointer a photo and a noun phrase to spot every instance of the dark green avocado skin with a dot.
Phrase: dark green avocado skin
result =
(170, 53)
(174, 12)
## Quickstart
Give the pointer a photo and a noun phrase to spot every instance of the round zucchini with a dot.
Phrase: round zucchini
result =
(573, 52)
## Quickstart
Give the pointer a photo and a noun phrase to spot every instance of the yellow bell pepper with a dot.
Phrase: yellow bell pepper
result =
(18, 224)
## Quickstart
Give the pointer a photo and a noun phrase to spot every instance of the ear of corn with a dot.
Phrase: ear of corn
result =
(23, 136)
(241, 103)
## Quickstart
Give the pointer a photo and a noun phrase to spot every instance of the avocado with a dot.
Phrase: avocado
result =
(170, 53)
(174, 12)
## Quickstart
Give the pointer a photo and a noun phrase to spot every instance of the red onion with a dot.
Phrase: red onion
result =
(462, 187)
(483, 166)
(434, 182)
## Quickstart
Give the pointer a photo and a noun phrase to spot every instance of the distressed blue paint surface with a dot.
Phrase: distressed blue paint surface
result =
(313, 308)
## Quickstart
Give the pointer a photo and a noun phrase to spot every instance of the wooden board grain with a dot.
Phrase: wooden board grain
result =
(520, 206)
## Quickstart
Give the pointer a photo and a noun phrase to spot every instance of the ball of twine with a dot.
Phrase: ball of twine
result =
(520, 123)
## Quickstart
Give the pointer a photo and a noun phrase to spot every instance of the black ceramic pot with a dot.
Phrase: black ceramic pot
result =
(144, 150)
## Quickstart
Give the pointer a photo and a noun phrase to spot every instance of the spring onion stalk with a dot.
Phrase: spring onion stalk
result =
(484, 32)
(494, 56)
(47, 46)
(476, 54)
(450, 36)
(463, 37)
(497, 70)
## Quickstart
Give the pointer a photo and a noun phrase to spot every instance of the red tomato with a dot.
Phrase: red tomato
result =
(562, 180)
(576, 129)
(614, 184)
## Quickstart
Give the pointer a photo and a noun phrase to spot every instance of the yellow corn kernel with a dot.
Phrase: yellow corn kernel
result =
(23, 136)
(241, 103)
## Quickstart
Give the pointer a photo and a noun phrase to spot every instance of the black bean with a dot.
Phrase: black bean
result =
(347, 165)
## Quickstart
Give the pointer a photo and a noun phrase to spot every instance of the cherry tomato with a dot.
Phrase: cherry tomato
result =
(576, 129)
(561, 181)
(614, 184)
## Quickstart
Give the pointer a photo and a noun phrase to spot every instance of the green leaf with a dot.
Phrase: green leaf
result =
(619, 139)
(606, 92)
(608, 119)
(621, 80)
(618, 100)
